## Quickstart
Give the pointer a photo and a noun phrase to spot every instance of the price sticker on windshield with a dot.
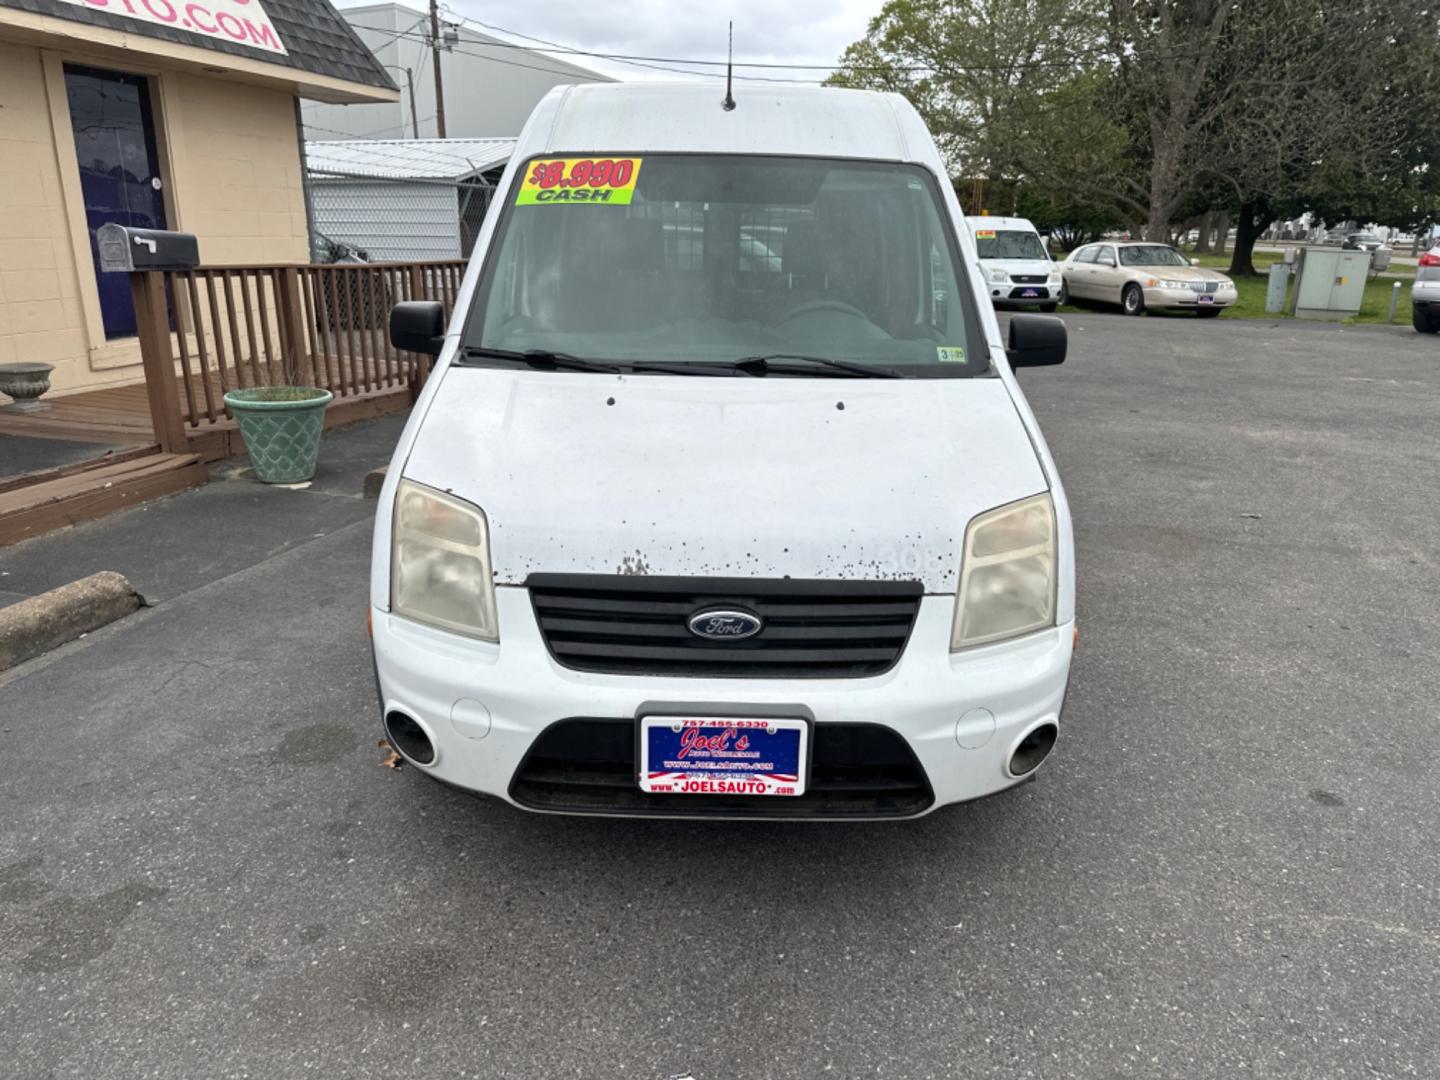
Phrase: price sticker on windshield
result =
(586, 181)
(984, 234)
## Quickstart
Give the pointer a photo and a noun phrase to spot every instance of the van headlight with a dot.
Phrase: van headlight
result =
(998, 276)
(440, 562)
(1007, 574)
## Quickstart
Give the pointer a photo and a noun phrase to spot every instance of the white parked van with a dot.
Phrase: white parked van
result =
(721, 499)
(1018, 268)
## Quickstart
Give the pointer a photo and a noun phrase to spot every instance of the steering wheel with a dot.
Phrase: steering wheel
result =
(823, 305)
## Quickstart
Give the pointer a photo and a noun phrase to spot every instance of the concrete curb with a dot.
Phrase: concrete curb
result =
(31, 627)
(374, 481)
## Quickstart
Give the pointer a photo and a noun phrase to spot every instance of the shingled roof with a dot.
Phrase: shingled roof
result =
(316, 38)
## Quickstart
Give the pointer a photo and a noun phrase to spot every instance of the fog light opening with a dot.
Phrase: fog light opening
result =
(408, 737)
(1034, 748)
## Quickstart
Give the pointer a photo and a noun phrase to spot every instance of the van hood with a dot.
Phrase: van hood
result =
(745, 477)
(1042, 267)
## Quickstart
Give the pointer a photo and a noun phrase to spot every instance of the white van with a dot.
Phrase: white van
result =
(1018, 268)
(665, 533)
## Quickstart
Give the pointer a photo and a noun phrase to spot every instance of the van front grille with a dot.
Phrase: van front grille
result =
(587, 765)
(639, 625)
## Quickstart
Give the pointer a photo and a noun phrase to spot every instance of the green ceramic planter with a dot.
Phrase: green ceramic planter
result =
(281, 426)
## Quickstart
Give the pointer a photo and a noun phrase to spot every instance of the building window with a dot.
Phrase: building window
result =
(114, 131)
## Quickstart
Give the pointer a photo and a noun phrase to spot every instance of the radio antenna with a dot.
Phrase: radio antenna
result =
(729, 103)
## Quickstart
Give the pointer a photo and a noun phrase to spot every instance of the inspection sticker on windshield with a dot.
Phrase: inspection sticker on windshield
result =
(606, 181)
(950, 354)
(984, 234)
(711, 755)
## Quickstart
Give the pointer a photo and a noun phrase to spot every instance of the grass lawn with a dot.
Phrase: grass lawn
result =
(1374, 306)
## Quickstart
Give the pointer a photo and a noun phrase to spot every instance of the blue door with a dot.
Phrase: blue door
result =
(119, 171)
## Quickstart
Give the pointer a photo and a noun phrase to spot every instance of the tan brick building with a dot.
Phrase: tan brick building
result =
(154, 113)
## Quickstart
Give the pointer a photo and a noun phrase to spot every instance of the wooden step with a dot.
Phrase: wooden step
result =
(41, 476)
(93, 492)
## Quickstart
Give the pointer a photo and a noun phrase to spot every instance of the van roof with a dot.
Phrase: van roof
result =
(988, 222)
(688, 118)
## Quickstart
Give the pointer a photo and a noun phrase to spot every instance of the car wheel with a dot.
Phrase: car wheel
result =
(1207, 312)
(1423, 321)
(1132, 300)
(1064, 297)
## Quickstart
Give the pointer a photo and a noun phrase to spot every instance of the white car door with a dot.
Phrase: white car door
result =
(1108, 278)
(1074, 271)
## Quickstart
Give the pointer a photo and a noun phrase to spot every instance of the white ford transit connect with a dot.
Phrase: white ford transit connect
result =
(721, 499)
(1018, 268)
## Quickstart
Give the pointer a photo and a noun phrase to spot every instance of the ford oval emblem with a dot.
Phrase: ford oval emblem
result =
(723, 625)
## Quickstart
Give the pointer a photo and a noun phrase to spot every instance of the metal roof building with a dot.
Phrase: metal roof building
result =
(401, 200)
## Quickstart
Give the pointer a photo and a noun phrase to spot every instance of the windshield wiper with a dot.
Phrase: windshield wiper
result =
(765, 365)
(544, 359)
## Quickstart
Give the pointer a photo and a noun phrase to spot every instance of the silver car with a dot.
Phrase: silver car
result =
(1425, 293)
(1139, 276)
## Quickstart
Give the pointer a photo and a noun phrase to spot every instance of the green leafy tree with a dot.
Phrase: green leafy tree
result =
(1011, 89)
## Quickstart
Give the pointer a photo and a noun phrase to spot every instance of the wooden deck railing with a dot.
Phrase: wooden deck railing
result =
(221, 328)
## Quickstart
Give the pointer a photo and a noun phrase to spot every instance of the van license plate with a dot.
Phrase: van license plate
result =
(709, 755)
(1030, 294)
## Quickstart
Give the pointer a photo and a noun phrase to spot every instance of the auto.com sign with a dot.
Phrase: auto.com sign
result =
(242, 21)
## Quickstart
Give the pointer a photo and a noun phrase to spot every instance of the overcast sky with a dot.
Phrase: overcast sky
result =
(802, 31)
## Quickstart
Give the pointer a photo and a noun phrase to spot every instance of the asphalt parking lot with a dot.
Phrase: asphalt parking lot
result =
(1230, 867)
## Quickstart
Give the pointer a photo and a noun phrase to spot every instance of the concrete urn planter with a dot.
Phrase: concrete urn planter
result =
(25, 383)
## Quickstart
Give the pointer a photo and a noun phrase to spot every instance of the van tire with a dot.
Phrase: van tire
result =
(1423, 321)
(1132, 300)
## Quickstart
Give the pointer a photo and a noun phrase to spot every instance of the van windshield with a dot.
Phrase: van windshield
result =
(1009, 244)
(709, 259)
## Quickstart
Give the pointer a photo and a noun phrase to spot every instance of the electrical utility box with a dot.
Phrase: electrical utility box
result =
(1331, 283)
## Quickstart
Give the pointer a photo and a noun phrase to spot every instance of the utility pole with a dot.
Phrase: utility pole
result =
(439, 81)
(410, 82)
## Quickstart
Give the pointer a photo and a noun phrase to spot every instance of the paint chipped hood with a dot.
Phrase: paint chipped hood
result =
(743, 477)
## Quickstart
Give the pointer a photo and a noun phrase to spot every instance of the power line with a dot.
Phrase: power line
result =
(597, 76)
(391, 35)
(423, 38)
(545, 45)
(377, 134)
(651, 62)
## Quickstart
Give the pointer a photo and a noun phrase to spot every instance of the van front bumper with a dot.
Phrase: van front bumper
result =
(483, 706)
(1016, 295)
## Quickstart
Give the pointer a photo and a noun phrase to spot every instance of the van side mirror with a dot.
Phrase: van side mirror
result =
(1036, 340)
(418, 326)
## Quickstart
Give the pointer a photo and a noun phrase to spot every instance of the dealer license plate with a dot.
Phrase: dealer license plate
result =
(708, 755)
(1030, 294)
(1204, 299)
